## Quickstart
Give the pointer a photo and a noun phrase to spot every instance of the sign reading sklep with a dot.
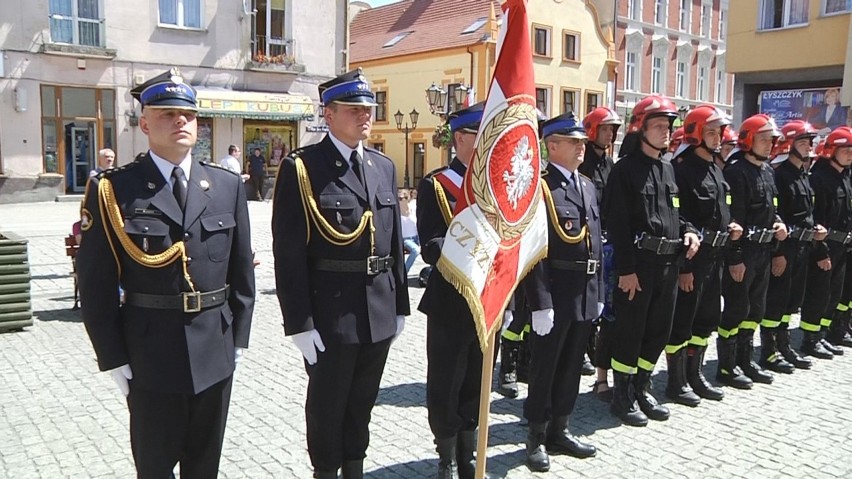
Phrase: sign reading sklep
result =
(818, 106)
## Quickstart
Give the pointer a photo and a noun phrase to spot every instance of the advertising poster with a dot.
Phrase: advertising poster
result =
(819, 106)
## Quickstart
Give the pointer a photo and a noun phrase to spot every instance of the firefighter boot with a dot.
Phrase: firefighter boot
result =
(695, 375)
(624, 405)
(678, 389)
(770, 358)
(783, 342)
(812, 346)
(745, 359)
(647, 403)
(508, 375)
(537, 458)
(729, 373)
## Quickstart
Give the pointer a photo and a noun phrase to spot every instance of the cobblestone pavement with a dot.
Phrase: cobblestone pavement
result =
(60, 418)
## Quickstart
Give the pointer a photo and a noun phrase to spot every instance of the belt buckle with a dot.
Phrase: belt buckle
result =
(763, 237)
(592, 266)
(716, 237)
(660, 244)
(191, 302)
(724, 237)
(372, 265)
(848, 238)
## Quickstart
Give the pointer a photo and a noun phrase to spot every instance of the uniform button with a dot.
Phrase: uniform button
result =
(145, 229)
(220, 223)
(186, 236)
(337, 204)
(188, 259)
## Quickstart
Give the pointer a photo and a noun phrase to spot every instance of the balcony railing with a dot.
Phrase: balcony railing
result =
(271, 53)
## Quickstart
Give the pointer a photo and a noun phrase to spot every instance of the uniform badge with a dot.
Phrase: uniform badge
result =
(85, 220)
(151, 185)
(568, 225)
(339, 218)
(204, 184)
(175, 76)
(370, 162)
(145, 244)
(338, 163)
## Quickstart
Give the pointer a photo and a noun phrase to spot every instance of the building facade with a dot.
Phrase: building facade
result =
(793, 60)
(674, 48)
(406, 47)
(67, 68)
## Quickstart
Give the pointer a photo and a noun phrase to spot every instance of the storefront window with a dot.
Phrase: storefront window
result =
(48, 132)
(203, 149)
(275, 141)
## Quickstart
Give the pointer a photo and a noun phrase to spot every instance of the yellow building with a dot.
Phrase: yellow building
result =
(791, 59)
(405, 47)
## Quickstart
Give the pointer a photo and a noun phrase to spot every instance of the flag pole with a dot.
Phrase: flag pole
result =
(485, 405)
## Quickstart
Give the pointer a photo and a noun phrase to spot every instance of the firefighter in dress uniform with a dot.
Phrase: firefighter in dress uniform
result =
(340, 273)
(174, 234)
(452, 346)
(566, 294)
(648, 236)
(703, 193)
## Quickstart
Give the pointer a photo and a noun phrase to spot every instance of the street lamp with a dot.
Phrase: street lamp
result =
(437, 98)
(413, 116)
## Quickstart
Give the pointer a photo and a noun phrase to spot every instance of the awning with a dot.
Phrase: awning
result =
(222, 102)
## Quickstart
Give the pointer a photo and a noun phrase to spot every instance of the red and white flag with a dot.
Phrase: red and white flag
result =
(499, 230)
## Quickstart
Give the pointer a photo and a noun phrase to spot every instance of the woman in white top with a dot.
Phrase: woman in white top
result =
(409, 228)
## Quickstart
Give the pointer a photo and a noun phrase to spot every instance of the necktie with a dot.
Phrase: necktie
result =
(575, 178)
(357, 167)
(178, 188)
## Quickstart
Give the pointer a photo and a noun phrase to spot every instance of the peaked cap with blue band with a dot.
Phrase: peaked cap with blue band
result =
(351, 88)
(467, 119)
(566, 124)
(166, 91)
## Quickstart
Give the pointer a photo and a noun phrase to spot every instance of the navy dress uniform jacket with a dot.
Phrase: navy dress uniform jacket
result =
(569, 292)
(347, 308)
(169, 351)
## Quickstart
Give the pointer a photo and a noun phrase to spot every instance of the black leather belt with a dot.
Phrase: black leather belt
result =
(715, 239)
(760, 235)
(842, 237)
(658, 245)
(186, 302)
(372, 265)
(590, 267)
(801, 234)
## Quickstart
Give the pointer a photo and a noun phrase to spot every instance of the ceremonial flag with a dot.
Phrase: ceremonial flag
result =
(499, 229)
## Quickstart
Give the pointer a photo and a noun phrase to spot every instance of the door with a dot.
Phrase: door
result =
(84, 155)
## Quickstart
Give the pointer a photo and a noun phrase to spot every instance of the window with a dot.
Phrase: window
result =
(660, 7)
(837, 6)
(630, 71)
(701, 87)
(181, 13)
(569, 101)
(634, 9)
(269, 27)
(571, 47)
(782, 13)
(542, 100)
(657, 75)
(378, 145)
(723, 24)
(77, 22)
(396, 39)
(475, 25)
(593, 100)
(541, 40)
(381, 106)
(706, 16)
(720, 86)
(685, 14)
(680, 80)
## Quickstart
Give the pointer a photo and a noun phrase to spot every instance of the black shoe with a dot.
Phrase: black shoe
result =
(588, 369)
(745, 353)
(624, 405)
(602, 394)
(783, 343)
(835, 350)
(695, 376)
(812, 346)
(537, 458)
(677, 388)
(728, 372)
(560, 441)
(839, 340)
(647, 403)
(447, 467)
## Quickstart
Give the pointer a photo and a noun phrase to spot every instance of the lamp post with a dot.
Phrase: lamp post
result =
(413, 116)
(437, 98)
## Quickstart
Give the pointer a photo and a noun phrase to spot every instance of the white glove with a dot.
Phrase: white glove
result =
(238, 355)
(400, 325)
(308, 343)
(600, 309)
(122, 376)
(542, 321)
(507, 319)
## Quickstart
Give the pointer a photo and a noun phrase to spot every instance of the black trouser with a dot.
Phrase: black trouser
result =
(603, 349)
(642, 325)
(824, 290)
(257, 184)
(557, 359)
(169, 428)
(745, 302)
(453, 375)
(785, 293)
(342, 389)
(698, 312)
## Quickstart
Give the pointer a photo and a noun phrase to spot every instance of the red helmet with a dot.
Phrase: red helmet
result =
(601, 115)
(752, 126)
(792, 131)
(838, 138)
(677, 139)
(698, 118)
(651, 107)
(729, 135)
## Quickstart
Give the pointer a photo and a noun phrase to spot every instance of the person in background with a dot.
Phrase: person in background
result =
(409, 229)
(106, 160)
(233, 163)
(257, 173)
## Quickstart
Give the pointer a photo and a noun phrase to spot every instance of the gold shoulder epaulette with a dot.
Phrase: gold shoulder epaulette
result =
(436, 171)
(544, 172)
(117, 169)
(217, 165)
